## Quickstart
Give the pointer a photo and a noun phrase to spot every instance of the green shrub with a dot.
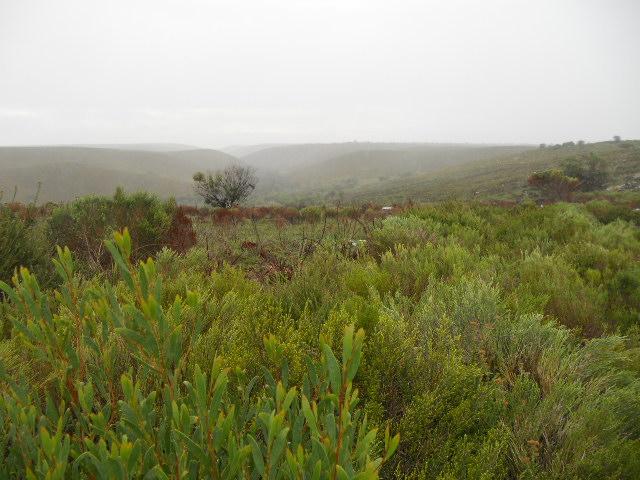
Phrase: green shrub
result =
(408, 231)
(21, 244)
(84, 225)
(492, 347)
(15, 246)
(164, 418)
(606, 211)
(554, 287)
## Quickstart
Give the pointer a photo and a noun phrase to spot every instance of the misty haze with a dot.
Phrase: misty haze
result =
(340, 239)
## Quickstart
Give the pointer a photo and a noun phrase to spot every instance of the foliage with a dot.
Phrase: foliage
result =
(590, 170)
(21, 243)
(226, 188)
(165, 417)
(554, 184)
(84, 225)
(501, 342)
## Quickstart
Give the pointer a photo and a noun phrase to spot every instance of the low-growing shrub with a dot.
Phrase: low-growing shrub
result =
(84, 225)
(502, 342)
(161, 417)
(22, 243)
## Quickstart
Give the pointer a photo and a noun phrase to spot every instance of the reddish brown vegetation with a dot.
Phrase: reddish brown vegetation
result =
(501, 203)
(271, 264)
(284, 215)
(554, 184)
(30, 211)
(230, 215)
(180, 237)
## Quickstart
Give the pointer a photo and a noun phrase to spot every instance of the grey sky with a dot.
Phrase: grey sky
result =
(214, 73)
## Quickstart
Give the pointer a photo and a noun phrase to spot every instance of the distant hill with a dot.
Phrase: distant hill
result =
(302, 174)
(291, 158)
(244, 150)
(429, 172)
(285, 158)
(311, 172)
(66, 172)
(504, 176)
(148, 147)
(384, 164)
(67, 180)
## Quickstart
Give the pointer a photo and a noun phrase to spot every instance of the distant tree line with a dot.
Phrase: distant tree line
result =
(580, 143)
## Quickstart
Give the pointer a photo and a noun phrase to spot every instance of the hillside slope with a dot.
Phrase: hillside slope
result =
(241, 151)
(67, 172)
(389, 163)
(504, 176)
(284, 159)
(147, 147)
(65, 181)
(313, 172)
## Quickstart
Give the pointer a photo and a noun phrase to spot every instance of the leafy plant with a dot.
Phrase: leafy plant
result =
(590, 170)
(554, 184)
(20, 244)
(502, 342)
(86, 223)
(165, 418)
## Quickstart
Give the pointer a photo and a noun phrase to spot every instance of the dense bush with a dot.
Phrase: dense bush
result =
(554, 184)
(22, 243)
(84, 225)
(120, 398)
(590, 169)
(501, 342)
(607, 212)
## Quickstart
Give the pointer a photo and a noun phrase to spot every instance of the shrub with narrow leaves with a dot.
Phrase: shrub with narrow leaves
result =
(502, 343)
(152, 415)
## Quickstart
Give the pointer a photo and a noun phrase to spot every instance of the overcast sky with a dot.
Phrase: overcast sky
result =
(218, 72)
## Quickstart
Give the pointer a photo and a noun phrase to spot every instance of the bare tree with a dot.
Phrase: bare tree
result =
(226, 188)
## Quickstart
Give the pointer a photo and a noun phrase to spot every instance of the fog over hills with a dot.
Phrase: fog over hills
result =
(244, 150)
(148, 147)
(329, 239)
(66, 172)
(284, 158)
(297, 173)
(390, 160)
(306, 171)
(501, 176)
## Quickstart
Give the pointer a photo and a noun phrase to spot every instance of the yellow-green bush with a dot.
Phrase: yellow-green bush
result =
(502, 342)
(159, 416)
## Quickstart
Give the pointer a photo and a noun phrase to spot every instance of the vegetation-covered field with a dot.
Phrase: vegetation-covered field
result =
(492, 341)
